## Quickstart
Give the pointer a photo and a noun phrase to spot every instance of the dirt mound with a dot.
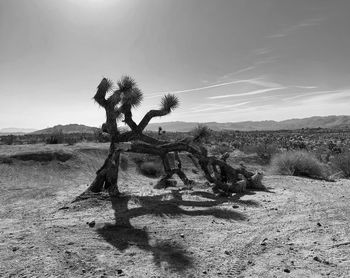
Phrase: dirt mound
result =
(43, 156)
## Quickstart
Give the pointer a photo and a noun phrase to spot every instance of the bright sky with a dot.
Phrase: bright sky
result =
(227, 60)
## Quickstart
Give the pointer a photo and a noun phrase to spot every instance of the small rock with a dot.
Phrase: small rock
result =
(227, 252)
(182, 235)
(235, 206)
(14, 249)
(286, 270)
(165, 184)
(119, 271)
(263, 243)
(63, 208)
(317, 259)
(319, 224)
(204, 272)
(91, 224)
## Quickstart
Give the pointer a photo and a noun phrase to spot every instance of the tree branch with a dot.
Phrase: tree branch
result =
(148, 117)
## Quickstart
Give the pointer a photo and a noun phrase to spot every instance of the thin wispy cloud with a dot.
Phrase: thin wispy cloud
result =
(220, 107)
(256, 92)
(257, 81)
(306, 87)
(306, 23)
(262, 51)
(311, 94)
(231, 74)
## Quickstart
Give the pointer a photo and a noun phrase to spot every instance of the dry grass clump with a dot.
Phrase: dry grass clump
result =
(298, 163)
(151, 169)
(263, 150)
(341, 162)
(221, 149)
(124, 163)
(56, 137)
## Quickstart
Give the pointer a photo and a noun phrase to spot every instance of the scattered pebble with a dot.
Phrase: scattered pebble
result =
(263, 243)
(91, 224)
(317, 259)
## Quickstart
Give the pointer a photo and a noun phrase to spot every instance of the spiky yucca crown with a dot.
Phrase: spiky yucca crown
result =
(169, 102)
(201, 132)
(133, 97)
(128, 94)
(126, 84)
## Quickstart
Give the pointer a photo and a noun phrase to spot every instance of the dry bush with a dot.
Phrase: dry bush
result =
(264, 151)
(151, 169)
(9, 139)
(100, 137)
(341, 162)
(71, 140)
(56, 137)
(201, 133)
(221, 149)
(124, 163)
(298, 163)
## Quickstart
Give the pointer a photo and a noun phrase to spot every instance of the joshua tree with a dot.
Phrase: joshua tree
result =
(118, 104)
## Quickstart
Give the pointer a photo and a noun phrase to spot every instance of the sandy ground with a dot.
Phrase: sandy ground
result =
(300, 228)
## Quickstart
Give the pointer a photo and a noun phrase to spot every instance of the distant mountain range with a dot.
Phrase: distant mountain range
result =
(312, 122)
(71, 128)
(14, 130)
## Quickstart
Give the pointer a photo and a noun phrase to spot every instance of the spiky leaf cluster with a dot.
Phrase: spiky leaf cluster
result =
(201, 132)
(126, 84)
(169, 102)
(133, 97)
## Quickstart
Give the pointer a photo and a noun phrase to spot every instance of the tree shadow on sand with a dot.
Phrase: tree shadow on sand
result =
(122, 234)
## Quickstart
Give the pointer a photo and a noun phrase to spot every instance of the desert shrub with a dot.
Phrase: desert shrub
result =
(151, 169)
(265, 151)
(56, 137)
(298, 163)
(100, 137)
(201, 133)
(341, 162)
(124, 163)
(71, 140)
(9, 139)
(220, 149)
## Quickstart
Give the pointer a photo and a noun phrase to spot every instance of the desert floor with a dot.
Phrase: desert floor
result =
(299, 228)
